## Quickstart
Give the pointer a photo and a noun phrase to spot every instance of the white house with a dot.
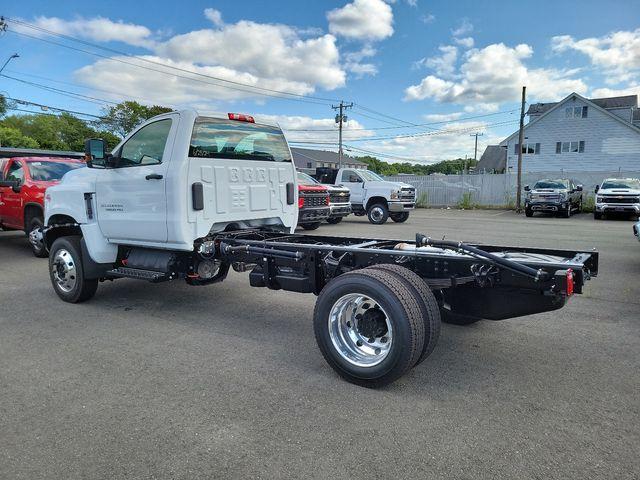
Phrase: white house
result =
(579, 134)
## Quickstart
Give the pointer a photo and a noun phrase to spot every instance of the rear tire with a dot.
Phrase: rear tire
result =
(39, 249)
(334, 220)
(66, 271)
(389, 313)
(429, 305)
(310, 226)
(399, 217)
(378, 213)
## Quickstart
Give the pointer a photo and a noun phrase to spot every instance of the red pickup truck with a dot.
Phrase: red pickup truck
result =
(23, 182)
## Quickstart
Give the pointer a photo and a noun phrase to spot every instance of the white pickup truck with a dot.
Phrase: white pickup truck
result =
(372, 195)
(186, 197)
(617, 196)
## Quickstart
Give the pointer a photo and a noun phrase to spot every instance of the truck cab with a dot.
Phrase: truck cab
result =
(617, 196)
(23, 182)
(372, 195)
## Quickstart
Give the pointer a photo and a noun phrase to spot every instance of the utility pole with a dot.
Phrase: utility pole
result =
(475, 151)
(340, 119)
(520, 142)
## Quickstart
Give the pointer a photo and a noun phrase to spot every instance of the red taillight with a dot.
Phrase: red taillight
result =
(300, 202)
(241, 117)
(569, 282)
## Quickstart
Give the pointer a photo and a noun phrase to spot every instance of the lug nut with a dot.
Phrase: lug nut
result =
(383, 340)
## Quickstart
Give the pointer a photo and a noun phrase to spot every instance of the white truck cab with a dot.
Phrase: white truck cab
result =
(376, 197)
(177, 178)
(617, 196)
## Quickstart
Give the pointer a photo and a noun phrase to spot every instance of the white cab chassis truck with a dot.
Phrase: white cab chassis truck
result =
(186, 197)
(372, 195)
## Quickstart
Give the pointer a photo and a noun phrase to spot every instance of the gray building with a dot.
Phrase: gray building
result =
(308, 160)
(579, 134)
(493, 160)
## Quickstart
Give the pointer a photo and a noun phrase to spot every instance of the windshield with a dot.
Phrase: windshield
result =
(305, 179)
(370, 176)
(213, 138)
(50, 171)
(631, 183)
(551, 184)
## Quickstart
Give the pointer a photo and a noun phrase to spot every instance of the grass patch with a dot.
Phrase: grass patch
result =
(589, 204)
(423, 200)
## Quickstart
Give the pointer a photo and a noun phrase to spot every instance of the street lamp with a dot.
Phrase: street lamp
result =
(15, 55)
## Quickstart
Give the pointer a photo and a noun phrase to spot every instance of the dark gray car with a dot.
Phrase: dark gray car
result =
(560, 195)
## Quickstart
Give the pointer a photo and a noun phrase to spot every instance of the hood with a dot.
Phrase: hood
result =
(619, 191)
(389, 185)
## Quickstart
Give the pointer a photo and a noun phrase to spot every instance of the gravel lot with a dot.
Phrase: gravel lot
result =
(171, 381)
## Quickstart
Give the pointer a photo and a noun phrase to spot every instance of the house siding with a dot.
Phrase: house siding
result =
(609, 144)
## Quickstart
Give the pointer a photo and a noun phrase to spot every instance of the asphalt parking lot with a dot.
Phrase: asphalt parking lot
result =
(171, 381)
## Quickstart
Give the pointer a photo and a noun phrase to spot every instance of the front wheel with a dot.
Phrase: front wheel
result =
(66, 271)
(528, 212)
(567, 212)
(368, 327)
(597, 215)
(399, 217)
(36, 241)
(378, 213)
(310, 226)
(334, 220)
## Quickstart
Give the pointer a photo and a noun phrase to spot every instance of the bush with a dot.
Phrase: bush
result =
(465, 203)
(589, 204)
(422, 200)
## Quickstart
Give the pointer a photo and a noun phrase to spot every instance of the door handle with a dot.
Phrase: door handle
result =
(154, 176)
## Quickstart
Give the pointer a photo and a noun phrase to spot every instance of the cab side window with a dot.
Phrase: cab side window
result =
(350, 176)
(3, 163)
(15, 172)
(146, 146)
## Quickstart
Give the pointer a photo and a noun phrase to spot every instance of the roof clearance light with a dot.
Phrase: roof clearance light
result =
(241, 117)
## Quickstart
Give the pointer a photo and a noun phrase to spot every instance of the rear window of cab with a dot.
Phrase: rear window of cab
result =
(235, 140)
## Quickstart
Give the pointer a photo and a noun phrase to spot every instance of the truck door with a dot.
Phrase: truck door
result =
(131, 198)
(11, 201)
(354, 183)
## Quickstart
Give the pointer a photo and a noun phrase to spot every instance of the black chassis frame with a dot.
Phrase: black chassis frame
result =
(476, 284)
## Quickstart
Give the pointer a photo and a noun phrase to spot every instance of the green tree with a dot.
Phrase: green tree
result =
(3, 105)
(446, 166)
(120, 119)
(12, 137)
(57, 132)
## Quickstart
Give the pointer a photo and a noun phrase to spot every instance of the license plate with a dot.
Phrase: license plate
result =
(619, 209)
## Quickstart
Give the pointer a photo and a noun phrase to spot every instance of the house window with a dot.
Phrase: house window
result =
(576, 112)
(528, 148)
(309, 165)
(570, 147)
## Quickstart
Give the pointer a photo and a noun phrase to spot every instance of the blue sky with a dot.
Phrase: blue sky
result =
(402, 62)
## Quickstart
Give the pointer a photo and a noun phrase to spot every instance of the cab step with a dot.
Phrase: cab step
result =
(149, 275)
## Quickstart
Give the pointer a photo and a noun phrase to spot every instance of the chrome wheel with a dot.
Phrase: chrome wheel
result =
(64, 272)
(360, 330)
(35, 239)
(377, 214)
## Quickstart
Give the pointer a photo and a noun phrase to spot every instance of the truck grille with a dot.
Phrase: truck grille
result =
(407, 193)
(339, 197)
(546, 197)
(619, 199)
(314, 199)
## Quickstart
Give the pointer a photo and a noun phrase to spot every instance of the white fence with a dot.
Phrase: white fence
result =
(493, 190)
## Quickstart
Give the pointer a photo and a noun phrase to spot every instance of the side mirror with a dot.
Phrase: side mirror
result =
(13, 184)
(94, 150)
(597, 188)
(579, 188)
(527, 188)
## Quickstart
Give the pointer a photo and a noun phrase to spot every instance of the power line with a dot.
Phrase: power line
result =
(40, 105)
(231, 83)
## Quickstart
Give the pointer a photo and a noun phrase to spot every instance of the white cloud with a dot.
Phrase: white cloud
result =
(615, 92)
(442, 146)
(466, 42)
(428, 18)
(362, 19)
(412, 3)
(445, 64)
(99, 29)
(214, 16)
(465, 28)
(442, 117)
(496, 74)
(353, 62)
(291, 125)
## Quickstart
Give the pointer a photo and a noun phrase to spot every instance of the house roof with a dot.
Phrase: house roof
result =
(627, 101)
(591, 102)
(493, 158)
(303, 155)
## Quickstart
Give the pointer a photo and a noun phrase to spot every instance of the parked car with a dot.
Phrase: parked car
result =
(561, 195)
(372, 195)
(23, 182)
(636, 230)
(313, 205)
(339, 204)
(618, 195)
